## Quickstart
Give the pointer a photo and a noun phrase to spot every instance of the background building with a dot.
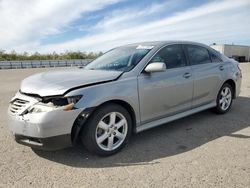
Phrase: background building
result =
(238, 52)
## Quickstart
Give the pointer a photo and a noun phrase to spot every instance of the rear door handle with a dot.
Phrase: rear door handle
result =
(187, 75)
(221, 67)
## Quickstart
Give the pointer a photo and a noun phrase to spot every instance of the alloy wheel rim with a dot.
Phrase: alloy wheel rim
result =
(225, 98)
(111, 131)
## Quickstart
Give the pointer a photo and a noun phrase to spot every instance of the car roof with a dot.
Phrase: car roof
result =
(163, 43)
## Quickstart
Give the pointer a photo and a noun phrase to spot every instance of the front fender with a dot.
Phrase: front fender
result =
(122, 89)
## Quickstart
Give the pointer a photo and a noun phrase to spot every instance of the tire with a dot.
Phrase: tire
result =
(224, 99)
(107, 131)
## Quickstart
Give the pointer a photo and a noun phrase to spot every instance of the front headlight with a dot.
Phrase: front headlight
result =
(74, 99)
(52, 103)
(40, 107)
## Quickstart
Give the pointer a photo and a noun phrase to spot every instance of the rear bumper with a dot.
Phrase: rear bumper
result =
(48, 144)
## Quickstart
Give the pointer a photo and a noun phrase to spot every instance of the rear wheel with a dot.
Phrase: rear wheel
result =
(224, 99)
(107, 130)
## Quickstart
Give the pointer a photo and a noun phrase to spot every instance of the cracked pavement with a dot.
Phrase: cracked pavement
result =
(202, 150)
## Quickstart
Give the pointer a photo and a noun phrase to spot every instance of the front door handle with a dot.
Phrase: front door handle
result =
(187, 75)
(221, 67)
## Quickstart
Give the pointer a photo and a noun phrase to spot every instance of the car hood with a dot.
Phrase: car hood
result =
(59, 82)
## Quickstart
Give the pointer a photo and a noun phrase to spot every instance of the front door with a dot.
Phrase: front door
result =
(162, 94)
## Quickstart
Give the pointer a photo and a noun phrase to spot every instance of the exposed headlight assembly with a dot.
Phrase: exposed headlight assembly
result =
(74, 99)
(41, 107)
(52, 103)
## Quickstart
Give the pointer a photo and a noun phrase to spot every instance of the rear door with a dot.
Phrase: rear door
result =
(166, 93)
(207, 74)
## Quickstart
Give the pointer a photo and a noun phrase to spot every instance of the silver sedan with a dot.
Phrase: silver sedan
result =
(128, 89)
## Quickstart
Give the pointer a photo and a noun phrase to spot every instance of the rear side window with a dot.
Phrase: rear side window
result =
(214, 57)
(198, 55)
(173, 56)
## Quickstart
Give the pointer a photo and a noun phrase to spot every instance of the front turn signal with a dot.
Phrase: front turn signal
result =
(68, 107)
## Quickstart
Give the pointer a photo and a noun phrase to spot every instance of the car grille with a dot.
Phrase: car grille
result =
(18, 106)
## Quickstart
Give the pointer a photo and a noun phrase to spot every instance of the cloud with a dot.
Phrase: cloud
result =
(24, 23)
(122, 18)
(216, 21)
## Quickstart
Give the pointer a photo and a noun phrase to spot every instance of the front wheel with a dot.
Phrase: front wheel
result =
(224, 99)
(107, 130)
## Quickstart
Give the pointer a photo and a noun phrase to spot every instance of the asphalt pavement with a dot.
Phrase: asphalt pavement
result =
(202, 150)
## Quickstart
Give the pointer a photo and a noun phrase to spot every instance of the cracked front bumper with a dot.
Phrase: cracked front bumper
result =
(48, 144)
(45, 130)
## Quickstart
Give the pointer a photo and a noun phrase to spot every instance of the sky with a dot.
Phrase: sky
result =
(46, 26)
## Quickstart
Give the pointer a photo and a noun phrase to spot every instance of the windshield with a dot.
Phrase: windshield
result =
(120, 59)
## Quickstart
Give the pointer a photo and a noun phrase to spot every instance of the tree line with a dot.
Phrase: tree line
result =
(14, 56)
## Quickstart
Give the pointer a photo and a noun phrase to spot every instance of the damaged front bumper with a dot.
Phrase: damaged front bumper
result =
(45, 130)
(48, 144)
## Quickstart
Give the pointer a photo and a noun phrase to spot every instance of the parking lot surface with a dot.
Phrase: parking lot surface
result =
(202, 150)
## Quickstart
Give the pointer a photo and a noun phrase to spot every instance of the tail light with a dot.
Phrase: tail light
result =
(238, 65)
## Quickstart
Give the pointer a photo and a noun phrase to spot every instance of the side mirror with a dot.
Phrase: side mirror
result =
(155, 67)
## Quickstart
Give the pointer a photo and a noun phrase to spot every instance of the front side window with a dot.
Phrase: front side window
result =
(173, 56)
(120, 59)
(198, 55)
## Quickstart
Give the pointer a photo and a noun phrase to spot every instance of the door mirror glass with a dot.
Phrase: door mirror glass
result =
(155, 67)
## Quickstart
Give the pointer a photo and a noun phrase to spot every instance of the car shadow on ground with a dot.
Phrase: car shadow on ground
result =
(167, 140)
